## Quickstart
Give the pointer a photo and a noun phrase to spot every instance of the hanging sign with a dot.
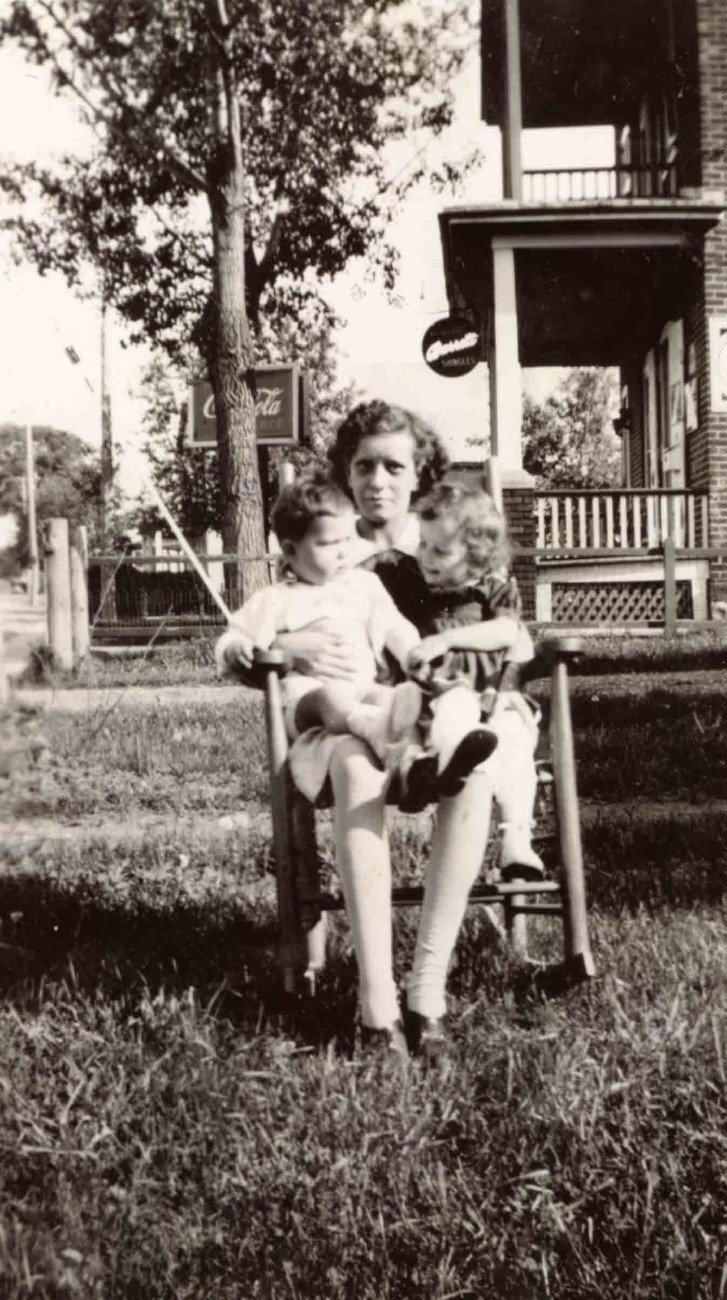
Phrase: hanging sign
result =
(276, 408)
(451, 346)
(718, 362)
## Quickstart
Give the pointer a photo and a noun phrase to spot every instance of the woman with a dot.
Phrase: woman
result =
(384, 457)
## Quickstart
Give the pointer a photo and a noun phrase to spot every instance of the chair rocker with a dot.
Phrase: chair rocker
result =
(302, 906)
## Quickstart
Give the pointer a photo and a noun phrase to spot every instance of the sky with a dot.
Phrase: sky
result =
(380, 344)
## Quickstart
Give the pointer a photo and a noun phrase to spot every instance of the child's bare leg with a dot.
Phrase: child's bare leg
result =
(381, 715)
(515, 781)
(329, 706)
(364, 868)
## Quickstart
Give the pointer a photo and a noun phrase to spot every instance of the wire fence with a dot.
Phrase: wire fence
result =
(145, 593)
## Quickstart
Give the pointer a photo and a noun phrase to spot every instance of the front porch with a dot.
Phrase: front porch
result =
(634, 558)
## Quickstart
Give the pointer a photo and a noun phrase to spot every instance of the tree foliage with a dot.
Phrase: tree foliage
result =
(322, 89)
(67, 484)
(569, 440)
(270, 117)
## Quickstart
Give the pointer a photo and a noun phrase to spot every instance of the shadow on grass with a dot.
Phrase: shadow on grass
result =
(675, 860)
(74, 931)
(52, 932)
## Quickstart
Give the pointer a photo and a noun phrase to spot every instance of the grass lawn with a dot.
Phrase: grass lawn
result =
(192, 662)
(172, 1127)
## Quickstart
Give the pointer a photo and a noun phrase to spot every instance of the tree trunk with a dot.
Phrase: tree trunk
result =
(230, 361)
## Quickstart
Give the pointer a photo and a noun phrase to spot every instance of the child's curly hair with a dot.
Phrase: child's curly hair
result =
(481, 525)
(369, 418)
(311, 495)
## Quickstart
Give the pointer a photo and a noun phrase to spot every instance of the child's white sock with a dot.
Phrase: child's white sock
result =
(517, 851)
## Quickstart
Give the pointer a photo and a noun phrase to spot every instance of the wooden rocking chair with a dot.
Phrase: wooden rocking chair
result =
(301, 904)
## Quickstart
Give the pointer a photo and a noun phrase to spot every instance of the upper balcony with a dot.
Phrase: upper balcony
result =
(553, 185)
(632, 65)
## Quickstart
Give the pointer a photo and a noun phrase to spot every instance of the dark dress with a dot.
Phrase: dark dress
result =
(433, 611)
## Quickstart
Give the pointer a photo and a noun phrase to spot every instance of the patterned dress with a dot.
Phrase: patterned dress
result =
(433, 611)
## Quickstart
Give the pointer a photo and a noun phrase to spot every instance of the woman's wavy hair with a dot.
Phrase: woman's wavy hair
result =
(369, 418)
(480, 524)
(312, 494)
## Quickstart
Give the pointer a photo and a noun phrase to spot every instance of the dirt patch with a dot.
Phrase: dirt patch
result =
(37, 830)
(257, 821)
(90, 701)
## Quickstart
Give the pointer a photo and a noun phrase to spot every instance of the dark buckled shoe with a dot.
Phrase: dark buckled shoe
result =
(427, 1036)
(388, 1042)
(472, 750)
(527, 871)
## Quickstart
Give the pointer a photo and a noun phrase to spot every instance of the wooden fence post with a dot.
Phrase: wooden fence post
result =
(81, 635)
(670, 587)
(58, 578)
(4, 687)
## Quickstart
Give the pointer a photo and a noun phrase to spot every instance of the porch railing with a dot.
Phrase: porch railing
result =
(620, 519)
(571, 184)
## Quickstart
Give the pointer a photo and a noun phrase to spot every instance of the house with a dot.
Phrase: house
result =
(624, 266)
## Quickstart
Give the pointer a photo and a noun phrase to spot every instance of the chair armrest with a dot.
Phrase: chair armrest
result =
(279, 660)
(551, 650)
(265, 662)
(568, 648)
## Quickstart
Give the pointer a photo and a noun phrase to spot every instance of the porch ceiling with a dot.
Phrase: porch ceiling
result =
(576, 304)
(580, 60)
(594, 306)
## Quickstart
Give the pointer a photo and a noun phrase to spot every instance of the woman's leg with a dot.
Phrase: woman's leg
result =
(364, 867)
(458, 849)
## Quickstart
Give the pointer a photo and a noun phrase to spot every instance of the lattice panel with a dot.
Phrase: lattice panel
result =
(616, 602)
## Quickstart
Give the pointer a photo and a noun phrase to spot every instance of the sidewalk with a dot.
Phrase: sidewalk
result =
(22, 626)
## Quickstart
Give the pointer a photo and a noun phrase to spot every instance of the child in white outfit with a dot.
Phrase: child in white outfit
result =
(315, 525)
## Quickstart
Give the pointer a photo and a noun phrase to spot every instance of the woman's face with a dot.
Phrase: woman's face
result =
(382, 476)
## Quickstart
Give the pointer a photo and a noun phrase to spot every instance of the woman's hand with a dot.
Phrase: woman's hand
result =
(421, 658)
(321, 650)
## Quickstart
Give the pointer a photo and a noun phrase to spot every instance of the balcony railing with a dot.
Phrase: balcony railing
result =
(574, 184)
(620, 519)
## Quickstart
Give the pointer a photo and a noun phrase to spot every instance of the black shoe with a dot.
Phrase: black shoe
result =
(387, 1042)
(472, 750)
(420, 784)
(427, 1036)
(522, 871)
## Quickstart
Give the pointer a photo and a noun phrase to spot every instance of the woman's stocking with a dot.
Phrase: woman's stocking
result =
(364, 868)
(458, 849)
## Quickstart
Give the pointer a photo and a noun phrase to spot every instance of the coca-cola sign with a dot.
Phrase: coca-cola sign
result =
(451, 346)
(276, 408)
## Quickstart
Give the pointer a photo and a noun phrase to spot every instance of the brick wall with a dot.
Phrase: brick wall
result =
(518, 506)
(708, 451)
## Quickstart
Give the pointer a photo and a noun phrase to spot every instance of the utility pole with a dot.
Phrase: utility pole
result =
(30, 503)
(107, 447)
(108, 573)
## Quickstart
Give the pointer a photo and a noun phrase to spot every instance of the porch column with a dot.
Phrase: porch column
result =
(512, 176)
(504, 363)
(506, 423)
